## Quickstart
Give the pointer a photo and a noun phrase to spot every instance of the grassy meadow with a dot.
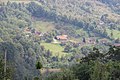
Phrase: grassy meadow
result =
(56, 49)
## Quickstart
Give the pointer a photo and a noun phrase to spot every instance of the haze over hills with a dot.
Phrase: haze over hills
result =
(84, 13)
(82, 9)
(113, 4)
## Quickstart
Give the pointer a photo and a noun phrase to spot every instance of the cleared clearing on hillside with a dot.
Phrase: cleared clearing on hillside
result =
(116, 34)
(56, 49)
(44, 26)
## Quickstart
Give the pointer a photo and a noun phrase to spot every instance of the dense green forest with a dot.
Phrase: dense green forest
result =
(29, 44)
(95, 66)
(21, 51)
(84, 15)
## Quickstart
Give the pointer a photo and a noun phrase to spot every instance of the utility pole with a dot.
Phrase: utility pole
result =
(5, 64)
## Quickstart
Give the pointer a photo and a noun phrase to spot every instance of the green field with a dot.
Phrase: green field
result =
(43, 26)
(56, 49)
(116, 33)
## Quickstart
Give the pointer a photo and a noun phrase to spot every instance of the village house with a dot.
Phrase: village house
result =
(91, 41)
(101, 23)
(27, 30)
(62, 37)
(103, 41)
(37, 33)
(117, 44)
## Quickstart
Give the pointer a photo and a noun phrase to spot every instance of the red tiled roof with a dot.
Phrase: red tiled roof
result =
(62, 37)
(117, 44)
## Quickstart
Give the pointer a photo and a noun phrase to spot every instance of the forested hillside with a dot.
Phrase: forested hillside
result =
(60, 40)
(92, 16)
(21, 52)
(113, 4)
